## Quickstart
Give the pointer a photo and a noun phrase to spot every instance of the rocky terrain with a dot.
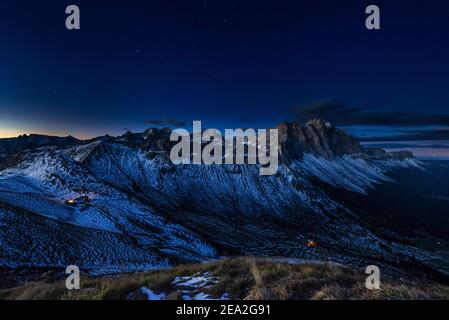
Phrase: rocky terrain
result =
(117, 204)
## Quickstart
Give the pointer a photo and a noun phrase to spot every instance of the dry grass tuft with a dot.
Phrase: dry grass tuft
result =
(241, 278)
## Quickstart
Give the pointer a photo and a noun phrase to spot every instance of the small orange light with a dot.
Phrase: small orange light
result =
(312, 244)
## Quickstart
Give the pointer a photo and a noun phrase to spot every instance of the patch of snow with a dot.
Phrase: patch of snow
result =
(354, 174)
(197, 281)
(152, 295)
(190, 286)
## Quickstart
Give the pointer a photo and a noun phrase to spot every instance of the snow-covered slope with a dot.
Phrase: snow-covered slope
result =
(120, 204)
(126, 232)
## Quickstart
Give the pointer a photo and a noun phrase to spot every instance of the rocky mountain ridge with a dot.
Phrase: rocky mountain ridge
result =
(316, 137)
(117, 204)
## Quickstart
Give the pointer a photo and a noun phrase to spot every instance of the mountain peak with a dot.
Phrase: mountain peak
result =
(33, 141)
(317, 137)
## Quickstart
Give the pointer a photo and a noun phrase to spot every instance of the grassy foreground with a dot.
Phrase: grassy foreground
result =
(240, 278)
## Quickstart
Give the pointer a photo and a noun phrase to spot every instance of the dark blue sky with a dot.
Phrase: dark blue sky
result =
(227, 63)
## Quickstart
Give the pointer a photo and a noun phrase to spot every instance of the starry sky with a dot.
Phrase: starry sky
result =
(137, 64)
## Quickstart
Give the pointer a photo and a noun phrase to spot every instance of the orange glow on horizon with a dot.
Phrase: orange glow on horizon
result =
(13, 133)
(9, 133)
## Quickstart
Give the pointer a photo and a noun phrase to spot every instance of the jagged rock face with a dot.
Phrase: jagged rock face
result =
(152, 139)
(381, 154)
(378, 153)
(375, 152)
(292, 141)
(151, 213)
(316, 137)
(157, 139)
(26, 142)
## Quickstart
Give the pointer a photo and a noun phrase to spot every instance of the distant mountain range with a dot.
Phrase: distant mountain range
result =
(117, 204)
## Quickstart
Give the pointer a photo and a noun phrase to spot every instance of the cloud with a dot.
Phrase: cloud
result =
(432, 134)
(171, 122)
(343, 115)
(403, 145)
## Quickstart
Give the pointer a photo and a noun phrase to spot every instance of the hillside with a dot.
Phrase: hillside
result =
(118, 204)
(242, 278)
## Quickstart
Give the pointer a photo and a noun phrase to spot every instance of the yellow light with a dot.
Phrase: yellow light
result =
(312, 244)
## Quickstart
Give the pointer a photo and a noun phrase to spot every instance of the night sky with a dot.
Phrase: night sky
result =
(136, 64)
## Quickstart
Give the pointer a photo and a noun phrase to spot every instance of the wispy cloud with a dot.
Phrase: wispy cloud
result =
(404, 144)
(370, 124)
(344, 115)
(429, 134)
